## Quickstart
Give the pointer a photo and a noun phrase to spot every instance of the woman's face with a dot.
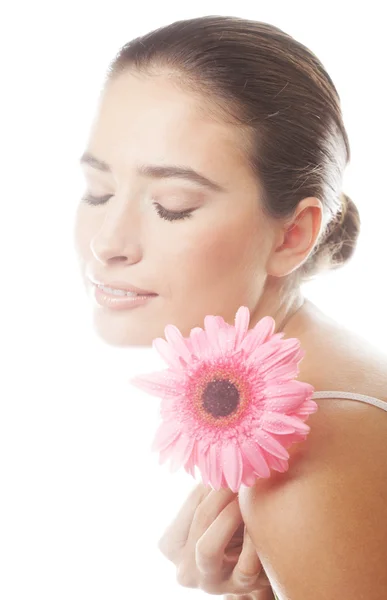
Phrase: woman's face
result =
(147, 141)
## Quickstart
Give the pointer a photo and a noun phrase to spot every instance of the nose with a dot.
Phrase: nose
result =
(118, 240)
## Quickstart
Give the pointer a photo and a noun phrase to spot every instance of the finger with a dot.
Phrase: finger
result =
(176, 534)
(209, 552)
(248, 568)
(237, 539)
(207, 511)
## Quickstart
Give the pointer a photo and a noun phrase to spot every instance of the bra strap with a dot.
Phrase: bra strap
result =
(352, 396)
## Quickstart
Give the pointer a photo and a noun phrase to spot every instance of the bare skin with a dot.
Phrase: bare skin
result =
(336, 476)
(228, 253)
(231, 565)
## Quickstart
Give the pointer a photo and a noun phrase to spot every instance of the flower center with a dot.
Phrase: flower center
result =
(220, 398)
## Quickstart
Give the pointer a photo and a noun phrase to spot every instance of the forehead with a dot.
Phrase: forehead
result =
(149, 119)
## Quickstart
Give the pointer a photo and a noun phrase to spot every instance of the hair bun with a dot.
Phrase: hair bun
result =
(343, 233)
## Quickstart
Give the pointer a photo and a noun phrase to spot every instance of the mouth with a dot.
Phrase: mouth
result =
(122, 292)
(120, 299)
(119, 288)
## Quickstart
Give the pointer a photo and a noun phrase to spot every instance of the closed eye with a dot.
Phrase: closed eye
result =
(167, 215)
(95, 200)
(170, 215)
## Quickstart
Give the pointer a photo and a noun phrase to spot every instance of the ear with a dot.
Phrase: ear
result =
(296, 240)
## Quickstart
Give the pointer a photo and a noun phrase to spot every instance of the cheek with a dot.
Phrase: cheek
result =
(209, 254)
(84, 228)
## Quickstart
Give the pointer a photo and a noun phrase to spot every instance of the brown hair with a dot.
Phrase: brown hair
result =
(279, 94)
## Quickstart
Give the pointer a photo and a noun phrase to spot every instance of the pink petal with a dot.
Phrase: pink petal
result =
(158, 384)
(249, 478)
(190, 464)
(261, 333)
(307, 408)
(288, 440)
(232, 466)
(274, 353)
(164, 455)
(212, 329)
(227, 337)
(253, 453)
(220, 321)
(181, 451)
(277, 336)
(168, 353)
(169, 409)
(199, 342)
(249, 475)
(224, 483)
(176, 340)
(288, 354)
(282, 424)
(285, 396)
(277, 464)
(201, 450)
(166, 434)
(242, 319)
(220, 336)
(284, 372)
(215, 468)
(270, 444)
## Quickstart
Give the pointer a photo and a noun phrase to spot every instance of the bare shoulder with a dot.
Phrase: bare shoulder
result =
(320, 529)
(337, 358)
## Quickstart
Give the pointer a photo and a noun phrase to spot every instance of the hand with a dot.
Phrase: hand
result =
(210, 547)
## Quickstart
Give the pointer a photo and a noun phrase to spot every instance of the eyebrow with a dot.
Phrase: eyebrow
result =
(158, 172)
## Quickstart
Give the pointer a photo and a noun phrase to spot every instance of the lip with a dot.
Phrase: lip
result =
(113, 302)
(122, 285)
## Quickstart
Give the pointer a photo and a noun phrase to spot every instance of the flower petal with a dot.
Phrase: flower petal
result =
(282, 424)
(273, 352)
(270, 444)
(249, 477)
(288, 353)
(277, 464)
(181, 451)
(220, 321)
(227, 337)
(168, 353)
(164, 455)
(159, 384)
(284, 372)
(201, 450)
(215, 468)
(166, 434)
(260, 334)
(242, 319)
(212, 329)
(176, 340)
(232, 465)
(253, 453)
(199, 342)
(307, 408)
(286, 396)
(169, 410)
(190, 464)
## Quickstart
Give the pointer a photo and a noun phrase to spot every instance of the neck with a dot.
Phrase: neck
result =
(281, 303)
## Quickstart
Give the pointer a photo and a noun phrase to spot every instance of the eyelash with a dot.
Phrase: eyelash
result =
(163, 213)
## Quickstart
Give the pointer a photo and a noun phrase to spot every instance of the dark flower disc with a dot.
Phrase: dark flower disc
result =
(220, 398)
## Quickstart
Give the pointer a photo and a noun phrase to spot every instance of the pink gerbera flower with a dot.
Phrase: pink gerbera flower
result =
(230, 404)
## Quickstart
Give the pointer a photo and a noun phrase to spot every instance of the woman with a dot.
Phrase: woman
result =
(214, 175)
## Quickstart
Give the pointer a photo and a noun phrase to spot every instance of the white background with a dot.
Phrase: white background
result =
(82, 499)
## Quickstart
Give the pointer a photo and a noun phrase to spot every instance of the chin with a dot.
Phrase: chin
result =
(121, 333)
